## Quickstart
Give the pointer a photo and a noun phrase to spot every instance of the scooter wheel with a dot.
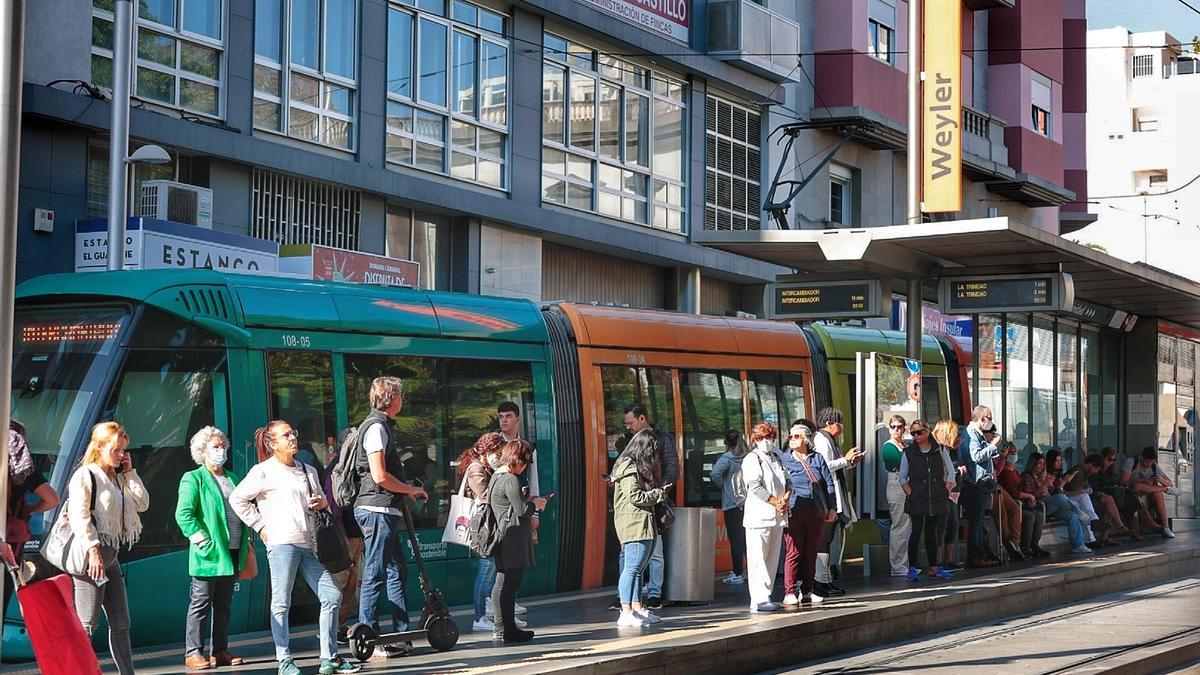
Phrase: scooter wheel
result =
(443, 633)
(362, 641)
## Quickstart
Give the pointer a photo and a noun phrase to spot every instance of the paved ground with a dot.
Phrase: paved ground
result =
(577, 627)
(1083, 634)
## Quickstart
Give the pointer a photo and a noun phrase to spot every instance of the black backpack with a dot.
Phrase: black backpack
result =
(484, 531)
(346, 477)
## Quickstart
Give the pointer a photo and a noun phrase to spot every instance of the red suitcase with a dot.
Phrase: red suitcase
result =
(59, 642)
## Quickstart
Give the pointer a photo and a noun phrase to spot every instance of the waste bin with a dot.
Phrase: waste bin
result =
(689, 547)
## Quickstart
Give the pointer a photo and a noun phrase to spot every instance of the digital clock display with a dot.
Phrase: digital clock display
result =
(1002, 293)
(846, 299)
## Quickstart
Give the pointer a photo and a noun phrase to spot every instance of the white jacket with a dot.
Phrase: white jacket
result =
(118, 503)
(765, 477)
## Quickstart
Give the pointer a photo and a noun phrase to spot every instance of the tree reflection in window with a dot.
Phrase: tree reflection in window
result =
(712, 405)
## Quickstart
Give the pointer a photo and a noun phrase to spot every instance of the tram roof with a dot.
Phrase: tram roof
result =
(650, 329)
(299, 304)
(842, 342)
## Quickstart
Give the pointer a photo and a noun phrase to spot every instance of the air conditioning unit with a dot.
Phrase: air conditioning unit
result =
(177, 202)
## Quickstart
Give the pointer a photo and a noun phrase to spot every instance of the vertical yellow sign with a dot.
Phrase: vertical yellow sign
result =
(941, 124)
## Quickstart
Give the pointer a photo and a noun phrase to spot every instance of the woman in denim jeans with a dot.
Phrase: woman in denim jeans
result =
(635, 492)
(284, 489)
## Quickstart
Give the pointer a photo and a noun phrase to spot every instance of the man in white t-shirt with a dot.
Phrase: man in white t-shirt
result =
(508, 414)
(377, 511)
(1150, 483)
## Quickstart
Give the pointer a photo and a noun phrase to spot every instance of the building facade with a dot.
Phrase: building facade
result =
(1142, 88)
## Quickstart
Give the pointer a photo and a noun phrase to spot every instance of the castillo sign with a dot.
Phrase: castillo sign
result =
(334, 264)
(665, 17)
(941, 124)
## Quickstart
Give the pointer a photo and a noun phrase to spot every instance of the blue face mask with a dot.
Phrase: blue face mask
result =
(1011, 459)
(217, 456)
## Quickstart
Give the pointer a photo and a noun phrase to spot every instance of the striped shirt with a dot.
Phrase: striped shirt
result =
(234, 523)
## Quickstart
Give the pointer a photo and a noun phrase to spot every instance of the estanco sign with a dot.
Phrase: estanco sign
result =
(157, 244)
(665, 17)
(941, 188)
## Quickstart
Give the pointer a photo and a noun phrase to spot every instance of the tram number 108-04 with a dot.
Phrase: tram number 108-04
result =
(296, 341)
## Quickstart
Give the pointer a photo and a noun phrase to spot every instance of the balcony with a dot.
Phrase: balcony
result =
(985, 157)
(1038, 162)
(754, 38)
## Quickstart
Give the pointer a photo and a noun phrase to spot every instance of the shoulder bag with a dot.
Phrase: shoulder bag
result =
(325, 535)
(820, 491)
(63, 548)
(458, 523)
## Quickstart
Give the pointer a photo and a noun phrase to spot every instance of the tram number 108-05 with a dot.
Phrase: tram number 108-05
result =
(296, 341)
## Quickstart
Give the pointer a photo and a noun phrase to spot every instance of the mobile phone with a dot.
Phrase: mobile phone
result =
(606, 477)
(549, 496)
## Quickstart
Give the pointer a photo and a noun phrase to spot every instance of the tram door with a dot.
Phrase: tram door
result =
(885, 385)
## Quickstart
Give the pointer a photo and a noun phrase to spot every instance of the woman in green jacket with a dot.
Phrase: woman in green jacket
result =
(219, 549)
(635, 478)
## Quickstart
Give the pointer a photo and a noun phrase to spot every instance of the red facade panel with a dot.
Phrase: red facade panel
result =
(1076, 181)
(1030, 33)
(844, 79)
(1033, 153)
(1074, 65)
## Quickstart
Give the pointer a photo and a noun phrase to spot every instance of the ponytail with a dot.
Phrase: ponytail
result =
(261, 441)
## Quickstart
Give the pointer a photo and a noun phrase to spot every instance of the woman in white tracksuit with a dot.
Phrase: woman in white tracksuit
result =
(830, 425)
(767, 497)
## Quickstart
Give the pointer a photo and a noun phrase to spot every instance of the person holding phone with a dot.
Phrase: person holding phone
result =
(636, 489)
(831, 424)
(106, 478)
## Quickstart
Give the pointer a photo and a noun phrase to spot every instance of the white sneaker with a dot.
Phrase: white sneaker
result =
(1174, 490)
(516, 619)
(1082, 550)
(764, 607)
(631, 619)
(901, 573)
(647, 616)
(790, 599)
(484, 624)
(1167, 533)
(733, 579)
(518, 608)
(814, 598)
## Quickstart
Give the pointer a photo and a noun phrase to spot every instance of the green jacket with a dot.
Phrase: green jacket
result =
(201, 508)
(633, 515)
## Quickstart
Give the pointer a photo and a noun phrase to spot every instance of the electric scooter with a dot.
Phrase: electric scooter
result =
(436, 624)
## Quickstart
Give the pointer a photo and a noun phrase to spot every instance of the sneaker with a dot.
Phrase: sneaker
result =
(484, 624)
(790, 599)
(648, 616)
(1167, 533)
(814, 598)
(764, 607)
(913, 574)
(899, 573)
(653, 602)
(1173, 490)
(329, 667)
(288, 667)
(394, 651)
(734, 579)
(942, 574)
(343, 637)
(615, 606)
(518, 608)
(631, 619)
(1082, 550)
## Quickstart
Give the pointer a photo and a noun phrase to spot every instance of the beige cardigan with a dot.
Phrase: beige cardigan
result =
(118, 503)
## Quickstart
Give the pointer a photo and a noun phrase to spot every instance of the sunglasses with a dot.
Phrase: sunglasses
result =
(896, 426)
(793, 436)
(919, 432)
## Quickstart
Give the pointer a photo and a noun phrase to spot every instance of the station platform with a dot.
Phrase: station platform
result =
(576, 632)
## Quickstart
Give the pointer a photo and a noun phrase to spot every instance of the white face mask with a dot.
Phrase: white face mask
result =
(494, 461)
(217, 456)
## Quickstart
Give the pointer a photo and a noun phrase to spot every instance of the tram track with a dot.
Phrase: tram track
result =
(1023, 624)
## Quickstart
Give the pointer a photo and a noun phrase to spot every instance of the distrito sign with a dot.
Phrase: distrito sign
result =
(1050, 292)
(670, 18)
(811, 300)
(941, 184)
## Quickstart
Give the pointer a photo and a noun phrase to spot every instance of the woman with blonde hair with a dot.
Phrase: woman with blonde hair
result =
(104, 497)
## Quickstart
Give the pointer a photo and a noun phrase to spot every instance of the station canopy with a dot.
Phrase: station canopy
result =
(968, 248)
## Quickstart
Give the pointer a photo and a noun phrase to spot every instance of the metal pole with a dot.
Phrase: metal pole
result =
(118, 148)
(913, 319)
(913, 214)
(12, 33)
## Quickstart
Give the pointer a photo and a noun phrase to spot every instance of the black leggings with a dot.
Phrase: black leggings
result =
(504, 599)
(934, 526)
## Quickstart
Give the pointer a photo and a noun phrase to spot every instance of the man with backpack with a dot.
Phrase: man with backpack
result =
(375, 463)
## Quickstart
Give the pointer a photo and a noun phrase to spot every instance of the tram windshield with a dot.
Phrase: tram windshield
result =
(61, 357)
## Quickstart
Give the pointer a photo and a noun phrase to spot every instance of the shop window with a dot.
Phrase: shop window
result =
(447, 84)
(613, 136)
(179, 62)
(412, 235)
(990, 358)
(1043, 418)
(1067, 358)
(732, 157)
(1013, 342)
(305, 70)
(712, 406)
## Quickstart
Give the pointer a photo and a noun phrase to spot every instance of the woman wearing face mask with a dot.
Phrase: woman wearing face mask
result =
(108, 480)
(768, 494)
(218, 552)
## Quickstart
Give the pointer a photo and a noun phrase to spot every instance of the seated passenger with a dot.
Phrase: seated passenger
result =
(1033, 516)
(1038, 482)
(1108, 482)
(1150, 482)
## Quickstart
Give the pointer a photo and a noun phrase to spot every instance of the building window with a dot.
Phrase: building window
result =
(412, 235)
(732, 186)
(1040, 94)
(1144, 120)
(1040, 120)
(881, 30)
(305, 69)
(180, 52)
(841, 195)
(613, 136)
(293, 210)
(1143, 66)
(447, 83)
(97, 176)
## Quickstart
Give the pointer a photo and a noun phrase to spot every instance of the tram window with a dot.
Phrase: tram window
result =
(448, 404)
(625, 386)
(776, 397)
(163, 397)
(934, 406)
(712, 405)
(301, 385)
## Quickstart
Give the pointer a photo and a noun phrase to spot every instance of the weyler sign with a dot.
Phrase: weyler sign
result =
(941, 124)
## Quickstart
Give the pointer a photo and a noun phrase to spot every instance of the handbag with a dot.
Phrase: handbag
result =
(664, 516)
(326, 537)
(250, 570)
(458, 523)
(63, 548)
(820, 491)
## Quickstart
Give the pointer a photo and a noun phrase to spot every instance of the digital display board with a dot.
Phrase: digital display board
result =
(1052, 292)
(70, 332)
(80, 330)
(823, 300)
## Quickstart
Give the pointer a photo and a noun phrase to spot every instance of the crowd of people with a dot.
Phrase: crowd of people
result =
(780, 497)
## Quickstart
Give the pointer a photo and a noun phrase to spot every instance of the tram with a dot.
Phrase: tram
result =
(166, 352)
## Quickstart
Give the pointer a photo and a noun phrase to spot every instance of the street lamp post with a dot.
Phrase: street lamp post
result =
(118, 147)
(146, 154)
